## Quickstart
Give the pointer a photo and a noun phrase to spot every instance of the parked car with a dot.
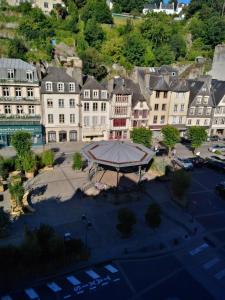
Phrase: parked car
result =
(216, 148)
(184, 163)
(185, 141)
(197, 161)
(161, 152)
(213, 138)
(217, 158)
(220, 189)
(216, 165)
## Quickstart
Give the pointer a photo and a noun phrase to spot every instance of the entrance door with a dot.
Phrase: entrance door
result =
(118, 134)
(73, 136)
(62, 136)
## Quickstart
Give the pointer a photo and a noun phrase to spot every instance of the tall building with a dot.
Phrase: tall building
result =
(60, 95)
(20, 105)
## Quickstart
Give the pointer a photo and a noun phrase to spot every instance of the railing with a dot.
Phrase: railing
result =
(19, 117)
(17, 99)
(6, 80)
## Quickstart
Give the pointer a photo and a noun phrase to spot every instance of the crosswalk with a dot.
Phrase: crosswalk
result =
(69, 286)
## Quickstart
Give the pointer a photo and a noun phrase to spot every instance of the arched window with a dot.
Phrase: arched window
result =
(62, 136)
(51, 136)
(73, 136)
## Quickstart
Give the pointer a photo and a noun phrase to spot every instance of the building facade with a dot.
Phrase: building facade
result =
(94, 110)
(20, 105)
(60, 96)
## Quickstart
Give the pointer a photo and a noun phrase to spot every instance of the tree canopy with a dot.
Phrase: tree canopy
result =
(171, 136)
(197, 136)
(142, 136)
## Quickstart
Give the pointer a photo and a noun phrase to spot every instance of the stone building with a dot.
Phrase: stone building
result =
(20, 105)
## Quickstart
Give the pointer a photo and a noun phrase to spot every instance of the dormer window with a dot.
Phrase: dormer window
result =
(29, 75)
(48, 86)
(95, 94)
(104, 94)
(72, 87)
(11, 74)
(86, 93)
(205, 100)
(199, 99)
(60, 86)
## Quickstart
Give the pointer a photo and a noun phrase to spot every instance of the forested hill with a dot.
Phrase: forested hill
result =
(101, 39)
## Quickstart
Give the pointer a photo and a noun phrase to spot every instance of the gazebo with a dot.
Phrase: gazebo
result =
(117, 155)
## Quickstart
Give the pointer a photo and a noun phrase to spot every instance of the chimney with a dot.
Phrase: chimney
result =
(160, 5)
(147, 80)
(74, 68)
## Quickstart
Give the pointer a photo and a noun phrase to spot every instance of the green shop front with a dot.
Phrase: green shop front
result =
(7, 130)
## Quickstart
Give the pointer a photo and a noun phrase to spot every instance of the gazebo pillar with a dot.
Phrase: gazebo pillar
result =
(139, 173)
(117, 177)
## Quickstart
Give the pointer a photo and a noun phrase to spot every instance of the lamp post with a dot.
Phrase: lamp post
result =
(87, 225)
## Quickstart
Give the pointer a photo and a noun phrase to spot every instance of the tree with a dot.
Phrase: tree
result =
(16, 191)
(21, 141)
(197, 136)
(142, 136)
(178, 45)
(17, 49)
(128, 6)
(47, 158)
(180, 183)
(77, 161)
(134, 49)
(97, 9)
(93, 33)
(29, 162)
(153, 215)
(164, 55)
(126, 219)
(171, 136)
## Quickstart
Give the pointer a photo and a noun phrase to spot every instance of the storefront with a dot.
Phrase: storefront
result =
(6, 131)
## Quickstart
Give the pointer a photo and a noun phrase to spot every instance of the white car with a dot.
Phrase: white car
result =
(216, 148)
(183, 163)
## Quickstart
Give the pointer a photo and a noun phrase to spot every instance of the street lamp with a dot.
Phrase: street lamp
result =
(88, 225)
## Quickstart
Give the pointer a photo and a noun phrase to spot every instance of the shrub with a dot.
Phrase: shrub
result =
(77, 161)
(29, 162)
(47, 158)
(126, 220)
(153, 215)
(16, 191)
(180, 183)
(218, 152)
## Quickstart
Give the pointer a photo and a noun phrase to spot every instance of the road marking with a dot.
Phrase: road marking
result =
(54, 287)
(116, 279)
(31, 294)
(92, 274)
(110, 268)
(73, 280)
(211, 263)
(66, 297)
(199, 249)
(7, 297)
(220, 274)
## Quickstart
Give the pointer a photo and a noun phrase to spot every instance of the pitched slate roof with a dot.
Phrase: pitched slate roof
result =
(90, 83)
(195, 86)
(218, 88)
(158, 83)
(136, 91)
(179, 85)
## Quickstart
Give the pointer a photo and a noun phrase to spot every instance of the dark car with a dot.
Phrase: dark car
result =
(213, 138)
(161, 152)
(216, 165)
(197, 161)
(220, 189)
(185, 141)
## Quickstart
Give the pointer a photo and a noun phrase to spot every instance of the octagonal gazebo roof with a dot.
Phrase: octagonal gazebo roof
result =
(117, 154)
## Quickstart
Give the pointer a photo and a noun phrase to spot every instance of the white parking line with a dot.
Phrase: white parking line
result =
(220, 274)
(7, 297)
(54, 287)
(66, 297)
(110, 268)
(32, 294)
(116, 279)
(199, 249)
(92, 274)
(211, 263)
(73, 280)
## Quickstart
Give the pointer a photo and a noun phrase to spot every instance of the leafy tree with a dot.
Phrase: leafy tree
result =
(25, 7)
(142, 136)
(171, 136)
(77, 161)
(29, 162)
(197, 136)
(178, 45)
(153, 215)
(17, 49)
(111, 50)
(126, 219)
(214, 31)
(21, 141)
(164, 55)
(134, 49)
(93, 33)
(128, 6)
(47, 158)
(97, 9)
(180, 183)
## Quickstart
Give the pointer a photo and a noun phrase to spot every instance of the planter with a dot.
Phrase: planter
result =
(1, 187)
(48, 168)
(29, 175)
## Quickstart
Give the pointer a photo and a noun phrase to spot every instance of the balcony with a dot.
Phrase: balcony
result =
(20, 99)
(20, 119)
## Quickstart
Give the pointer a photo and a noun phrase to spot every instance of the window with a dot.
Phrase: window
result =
(163, 107)
(208, 111)
(29, 75)
(95, 106)
(86, 121)
(119, 122)
(182, 107)
(206, 122)
(18, 92)
(30, 93)
(162, 120)
(157, 94)
(61, 118)
(192, 111)
(72, 118)
(103, 106)
(200, 110)
(104, 94)
(86, 106)
(189, 121)
(156, 107)
(72, 87)
(145, 114)
(122, 98)
(155, 118)
(60, 86)
(72, 102)
(61, 103)
(180, 120)
(175, 107)
(87, 94)
(205, 99)
(48, 86)
(73, 136)
(94, 120)
(218, 110)
(5, 92)
(174, 120)
(49, 103)
(19, 109)
(11, 74)
(197, 122)
(95, 94)
(51, 136)
(103, 120)
(31, 110)
(120, 110)
(165, 94)
(7, 109)
(199, 99)
(50, 119)
(45, 4)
